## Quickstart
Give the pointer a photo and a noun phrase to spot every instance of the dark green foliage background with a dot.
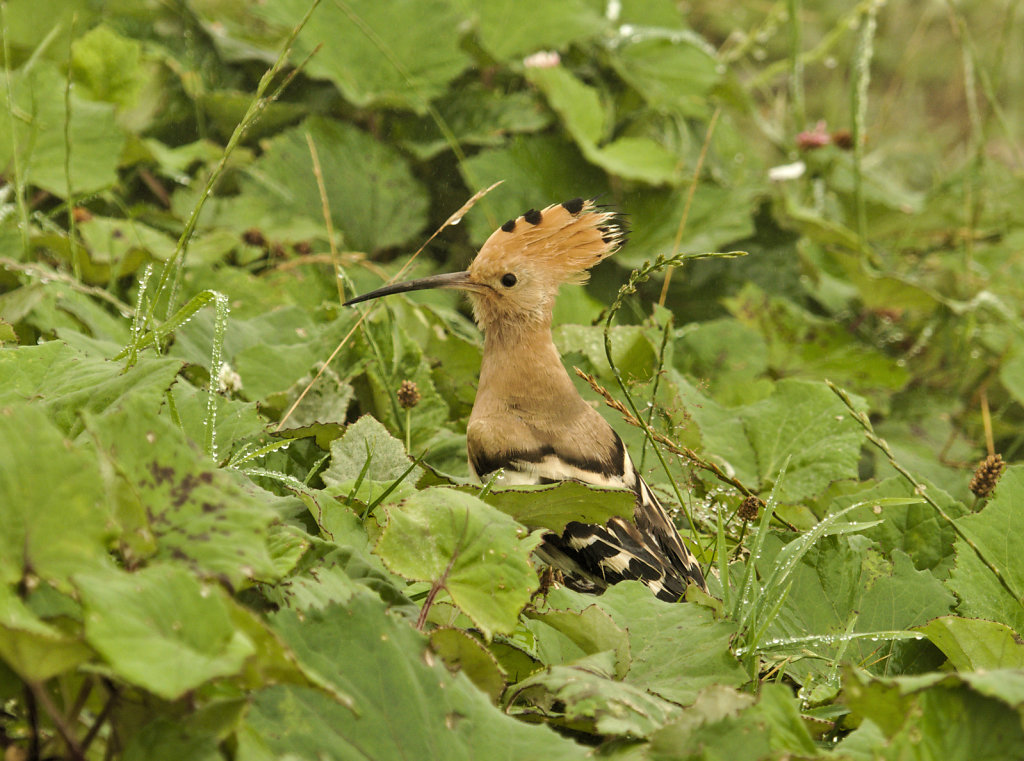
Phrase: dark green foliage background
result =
(191, 567)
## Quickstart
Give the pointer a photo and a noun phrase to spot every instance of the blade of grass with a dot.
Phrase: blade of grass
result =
(220, 326)
(394, 485)
(859, 108)
(173, 269)
(76, 265)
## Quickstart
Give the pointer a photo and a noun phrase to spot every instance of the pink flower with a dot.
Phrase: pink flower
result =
(818, 137)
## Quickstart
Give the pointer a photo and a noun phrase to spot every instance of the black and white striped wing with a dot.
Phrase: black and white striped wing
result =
(590, 556)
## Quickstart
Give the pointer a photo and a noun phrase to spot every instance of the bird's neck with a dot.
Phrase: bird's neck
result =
(523, 367)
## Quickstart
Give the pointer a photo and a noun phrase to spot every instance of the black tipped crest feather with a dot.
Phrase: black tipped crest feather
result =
(574, 206)
(533, 217)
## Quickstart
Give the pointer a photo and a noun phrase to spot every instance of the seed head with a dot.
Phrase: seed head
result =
(408, 395)
(749, 508)
(986, 475)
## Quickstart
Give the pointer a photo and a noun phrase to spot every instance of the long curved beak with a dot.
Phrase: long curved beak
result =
(458, 280)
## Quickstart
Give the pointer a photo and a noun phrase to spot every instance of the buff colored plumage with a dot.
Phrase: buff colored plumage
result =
(528, 420)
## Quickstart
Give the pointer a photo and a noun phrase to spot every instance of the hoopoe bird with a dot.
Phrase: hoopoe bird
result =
(529, 421)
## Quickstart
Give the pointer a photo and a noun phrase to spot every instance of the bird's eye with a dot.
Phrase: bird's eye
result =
(508, 280)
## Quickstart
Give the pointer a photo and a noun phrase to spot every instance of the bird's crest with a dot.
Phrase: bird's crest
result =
(563, 241)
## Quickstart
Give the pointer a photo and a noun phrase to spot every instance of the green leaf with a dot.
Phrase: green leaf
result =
(716, 217)
(553, 506)
(585, 119)
(997, 531)
(33, 648)
(972, 644)
(69, 382)
(164, 739)
(902, 600)
(801, 343)
(579, 105)
(48, 485)
(107, 66)
(916, 529)
(590, 630)
(38, 134)
(506, 31)
(368, 439)
(804, 423)
(637, 158)
(476, 116)
(714, 727)
(476, 553)
(537, 169)
(915, 714)
(842, 593)
(215, 520)
(464, 653)
(1011, 375)
(124, 244)
(669, 69)
(161, 628)
(591, 702)
(655, 630)
(373, 197)
(402, 53)
(406, 704)
(779, 708)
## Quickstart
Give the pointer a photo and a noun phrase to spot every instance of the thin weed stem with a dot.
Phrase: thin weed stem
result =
(921, 489)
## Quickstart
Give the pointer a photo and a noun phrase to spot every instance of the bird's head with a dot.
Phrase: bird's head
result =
(515, 277)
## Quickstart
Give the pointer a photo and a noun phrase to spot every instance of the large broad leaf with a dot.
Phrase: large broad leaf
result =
(465, 546)
(669, 69)
(37, 120)
(841, 587)
(583, 700)
(53, 507)
(405, 703)
(726, 724)
(804, 424)
(716, 726)
(33, 648)
(465, 653)
(997, 531)
(373, 197)
(164, 739)
(677, 649)
(972, 644)
(906, 598)
(553, 506)
(212, 519)
(107, 65)
(400, 53)
(161, 628)
(716, 217)
(916, 529)
(507, 28)
(69, 382)
(124, 244)
(475, 116)
(579, 634)
(577, 104)
(811, 346)
(915, 715)
(585, 119)
(367, 440)
(537, 170)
